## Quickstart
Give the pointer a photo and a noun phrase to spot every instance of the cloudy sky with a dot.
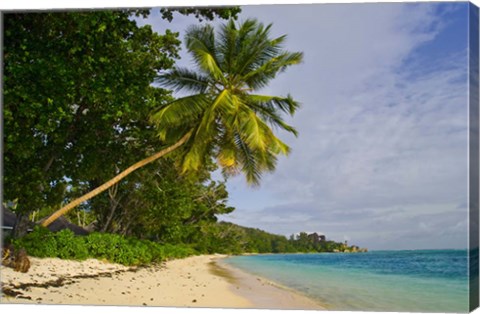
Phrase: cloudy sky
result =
(381, 159)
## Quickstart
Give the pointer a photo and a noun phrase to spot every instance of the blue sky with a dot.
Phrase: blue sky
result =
(381, 159)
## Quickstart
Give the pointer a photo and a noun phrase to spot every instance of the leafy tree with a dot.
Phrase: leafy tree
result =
(303, 243)
(77, 90)
(223, 237)
(223, 118)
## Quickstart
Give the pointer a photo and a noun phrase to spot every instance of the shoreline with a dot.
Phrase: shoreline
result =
(198, 281)
(267, 294)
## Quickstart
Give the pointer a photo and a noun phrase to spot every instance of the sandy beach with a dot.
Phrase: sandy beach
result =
(198, 281)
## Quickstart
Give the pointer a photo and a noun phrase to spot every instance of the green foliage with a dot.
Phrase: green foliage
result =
(222, 111)
(229, 238)
(207, 13)
(220, 238)
(43, 243)
(70, 246)
(114, 248)
(157, 203)
(211, 237)
(176, 251)
(77, 94)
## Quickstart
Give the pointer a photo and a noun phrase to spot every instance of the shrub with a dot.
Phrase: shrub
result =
(177, 251)
(43, 243)
(70, 246)
(112, 247)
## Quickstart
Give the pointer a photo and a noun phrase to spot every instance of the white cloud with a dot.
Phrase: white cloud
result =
(382, 152)
(374, 133)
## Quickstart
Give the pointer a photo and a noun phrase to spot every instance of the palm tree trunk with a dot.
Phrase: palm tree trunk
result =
(113, 181)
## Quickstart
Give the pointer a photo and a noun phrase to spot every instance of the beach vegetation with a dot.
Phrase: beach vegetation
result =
(214, 237)
(104, 246)
(43, 243)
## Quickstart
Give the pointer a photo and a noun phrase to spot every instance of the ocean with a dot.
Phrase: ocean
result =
(399, 281)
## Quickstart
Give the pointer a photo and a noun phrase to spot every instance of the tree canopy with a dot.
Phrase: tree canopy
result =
(224, 119)
(77, 95)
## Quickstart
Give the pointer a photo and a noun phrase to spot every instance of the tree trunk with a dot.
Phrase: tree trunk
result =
(113, 207)
(113, 181)
(20, 228)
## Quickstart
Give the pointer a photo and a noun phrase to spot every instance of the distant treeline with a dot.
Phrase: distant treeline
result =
(235, 239)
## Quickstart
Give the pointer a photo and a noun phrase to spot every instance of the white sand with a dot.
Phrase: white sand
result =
(191, 282)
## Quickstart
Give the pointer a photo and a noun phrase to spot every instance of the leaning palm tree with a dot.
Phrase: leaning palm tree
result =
(222, 116)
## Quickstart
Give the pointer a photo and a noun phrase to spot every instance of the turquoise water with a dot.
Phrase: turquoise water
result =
(399, 281)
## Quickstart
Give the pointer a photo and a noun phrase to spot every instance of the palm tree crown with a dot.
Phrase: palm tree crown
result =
(223, 113)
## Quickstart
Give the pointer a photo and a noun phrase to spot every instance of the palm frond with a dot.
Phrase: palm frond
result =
(255, 47)
(205, 133)
(277, 147)
(259, 136)
(210, 114)
(193, 158)
(263, 52)
(272, 117)
(227, 152)
(253, 130)
(182, 111)
(227, 46)
(180, 79)
(200, 42)
(248, 161)
(273, 103)
(262, 73)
